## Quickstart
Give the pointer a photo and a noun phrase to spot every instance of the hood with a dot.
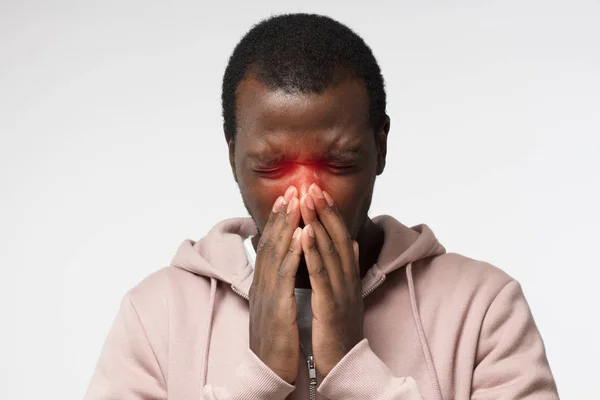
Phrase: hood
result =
(220, 254)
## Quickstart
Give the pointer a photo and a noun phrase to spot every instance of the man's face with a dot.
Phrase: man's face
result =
(296, 139)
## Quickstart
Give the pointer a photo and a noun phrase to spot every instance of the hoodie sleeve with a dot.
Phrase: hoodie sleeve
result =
(255, 380)
(361, 374)
(128, 368)
(511, 360)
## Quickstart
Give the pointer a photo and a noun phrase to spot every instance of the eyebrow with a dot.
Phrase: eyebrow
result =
(265, 158)
(344, 152)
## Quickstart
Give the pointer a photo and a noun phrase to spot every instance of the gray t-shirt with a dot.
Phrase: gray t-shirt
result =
(304, 312)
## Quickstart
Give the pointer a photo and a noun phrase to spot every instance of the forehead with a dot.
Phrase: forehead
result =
(276, 121)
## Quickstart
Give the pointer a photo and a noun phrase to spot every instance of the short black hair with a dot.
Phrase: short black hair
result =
(302, 53)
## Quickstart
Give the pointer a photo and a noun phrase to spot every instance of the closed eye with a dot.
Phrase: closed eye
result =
(281, 170)
(343, 168)
(270, 172)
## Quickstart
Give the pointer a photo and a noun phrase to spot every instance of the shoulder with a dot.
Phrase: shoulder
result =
(456, 294)
(167, 290)
(453, 275)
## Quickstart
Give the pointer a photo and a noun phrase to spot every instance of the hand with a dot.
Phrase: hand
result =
(332, 262)
(273, 329)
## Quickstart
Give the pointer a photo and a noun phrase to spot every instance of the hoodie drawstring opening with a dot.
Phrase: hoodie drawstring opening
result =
(420, 332)
(211, 307)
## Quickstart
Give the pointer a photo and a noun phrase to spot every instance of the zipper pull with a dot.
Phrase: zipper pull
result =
(312, 375)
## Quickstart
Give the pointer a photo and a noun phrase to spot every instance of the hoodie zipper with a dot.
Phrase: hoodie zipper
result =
(312, 371)
(312, 375)
(375, 286)
(236, 291)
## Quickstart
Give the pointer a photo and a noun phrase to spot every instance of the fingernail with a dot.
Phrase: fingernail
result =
(317, 190)
(309, 202)
(310, 230)
(278, 204)
(328, 198)
(296, 232)
(292, 205)
(289, 193)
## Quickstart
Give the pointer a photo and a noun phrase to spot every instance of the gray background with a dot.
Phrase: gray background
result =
(112, 153)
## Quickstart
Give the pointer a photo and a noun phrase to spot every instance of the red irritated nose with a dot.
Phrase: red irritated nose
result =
(304, 176)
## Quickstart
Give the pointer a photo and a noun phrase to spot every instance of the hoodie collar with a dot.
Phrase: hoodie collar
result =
(221, 254)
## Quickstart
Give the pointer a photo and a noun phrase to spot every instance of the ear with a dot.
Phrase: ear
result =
(231, 150)
(381, 143)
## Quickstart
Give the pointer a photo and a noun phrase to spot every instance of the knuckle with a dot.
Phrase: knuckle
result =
(330, 210)
(281, 236)
(282, 271)
(266, 244)
(321, 270)
(275, 253)
(271, 220)
(331, 249)
(286, 265)
(281, 214)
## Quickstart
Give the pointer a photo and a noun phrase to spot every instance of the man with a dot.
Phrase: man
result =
(310, 298)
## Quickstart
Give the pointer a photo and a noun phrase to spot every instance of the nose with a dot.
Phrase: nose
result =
(305, 176)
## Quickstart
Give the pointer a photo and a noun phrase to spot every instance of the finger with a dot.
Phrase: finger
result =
(277, 236)
(319, 279)
(282, 233)
(330, 257)
(328, 215)
(286, 275)
(307, 208)
(264, 241)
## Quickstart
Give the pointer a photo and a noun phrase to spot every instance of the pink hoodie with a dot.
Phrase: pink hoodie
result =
(437, 326)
